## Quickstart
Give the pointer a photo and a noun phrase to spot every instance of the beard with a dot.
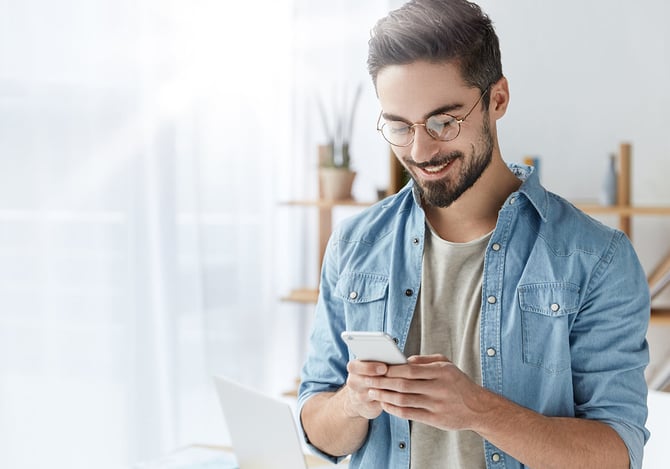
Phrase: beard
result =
(446, 191)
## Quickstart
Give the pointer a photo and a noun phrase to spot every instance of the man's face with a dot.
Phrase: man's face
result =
(411, 93)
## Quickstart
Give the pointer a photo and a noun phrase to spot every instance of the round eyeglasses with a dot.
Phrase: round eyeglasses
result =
(440, 126)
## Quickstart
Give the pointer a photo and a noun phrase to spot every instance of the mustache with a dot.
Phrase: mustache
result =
(436, 161)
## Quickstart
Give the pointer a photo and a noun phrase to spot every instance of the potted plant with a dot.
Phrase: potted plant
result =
(336, 177)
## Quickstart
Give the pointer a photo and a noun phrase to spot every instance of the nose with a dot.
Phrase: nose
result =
(424, 147)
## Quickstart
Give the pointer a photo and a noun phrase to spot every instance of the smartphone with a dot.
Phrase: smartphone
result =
(374, 347)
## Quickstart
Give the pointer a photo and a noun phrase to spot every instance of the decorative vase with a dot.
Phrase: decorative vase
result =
(335, 183)
(608, 192)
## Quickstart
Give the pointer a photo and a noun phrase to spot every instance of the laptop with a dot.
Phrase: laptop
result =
(263, 431)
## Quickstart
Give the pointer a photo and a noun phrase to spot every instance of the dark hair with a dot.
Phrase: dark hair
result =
(438, 31)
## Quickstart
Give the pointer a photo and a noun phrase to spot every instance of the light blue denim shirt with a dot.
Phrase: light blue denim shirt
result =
(565, 311)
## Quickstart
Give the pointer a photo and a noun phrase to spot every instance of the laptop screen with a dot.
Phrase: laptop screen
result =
(262, 428)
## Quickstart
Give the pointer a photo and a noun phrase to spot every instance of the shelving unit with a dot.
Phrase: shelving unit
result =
(325, 209)
(659, 278)
(325, 227)
(660, 275)
(660, 316)
(624, 211)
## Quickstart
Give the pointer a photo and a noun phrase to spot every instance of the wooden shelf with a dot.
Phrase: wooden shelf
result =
(325, 227)
(309, 296)
(660, 316)
(327, 204)
(623, 210)
(302, 295)
(325, 208)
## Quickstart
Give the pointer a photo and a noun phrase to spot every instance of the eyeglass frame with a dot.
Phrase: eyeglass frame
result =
(412, 126)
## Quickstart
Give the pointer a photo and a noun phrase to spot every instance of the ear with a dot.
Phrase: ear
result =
(499, 98)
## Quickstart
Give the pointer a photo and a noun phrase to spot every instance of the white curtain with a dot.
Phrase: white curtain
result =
(145, 147)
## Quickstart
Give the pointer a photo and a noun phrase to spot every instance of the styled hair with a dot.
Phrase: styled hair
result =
(436, 31)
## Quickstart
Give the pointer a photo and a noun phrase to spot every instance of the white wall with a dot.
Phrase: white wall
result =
(585, 76)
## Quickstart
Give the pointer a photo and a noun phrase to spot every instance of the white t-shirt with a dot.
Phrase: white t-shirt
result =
(446, 321)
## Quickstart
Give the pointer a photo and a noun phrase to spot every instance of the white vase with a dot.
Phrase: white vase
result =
(608, 193)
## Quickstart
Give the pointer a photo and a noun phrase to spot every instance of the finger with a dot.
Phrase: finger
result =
(422, 359)
(359, 404)
(419, 371)
(367, 368)
(361, 383)
(397, 399)
(409, 413)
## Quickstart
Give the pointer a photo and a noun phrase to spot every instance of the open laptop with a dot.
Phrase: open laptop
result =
(262, 429)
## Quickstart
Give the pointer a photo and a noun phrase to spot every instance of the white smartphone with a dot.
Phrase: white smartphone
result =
(374, 347)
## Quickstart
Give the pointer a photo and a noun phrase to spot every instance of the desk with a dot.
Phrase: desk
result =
(217, 457)
(311, 460)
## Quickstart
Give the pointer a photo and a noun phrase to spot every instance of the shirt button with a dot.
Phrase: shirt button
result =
(512, 200)
(554, 307)
(491, 299)
(409, 292)
(491, 352)
(495, 247)
(495, 457)
(415, 241)
(353, 295)
(402, 445)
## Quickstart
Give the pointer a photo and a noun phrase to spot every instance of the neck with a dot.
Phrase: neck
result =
(475, 213)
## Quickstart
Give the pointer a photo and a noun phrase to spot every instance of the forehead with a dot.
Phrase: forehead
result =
(414, 89)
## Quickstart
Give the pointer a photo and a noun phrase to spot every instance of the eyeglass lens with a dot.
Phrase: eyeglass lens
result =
(438, 126)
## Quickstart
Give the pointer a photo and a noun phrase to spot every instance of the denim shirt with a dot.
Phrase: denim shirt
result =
(564, 315)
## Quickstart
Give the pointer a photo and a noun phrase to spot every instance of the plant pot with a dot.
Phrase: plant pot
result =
(335, 183)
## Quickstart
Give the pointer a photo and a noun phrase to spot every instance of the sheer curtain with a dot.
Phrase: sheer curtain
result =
(145, 147)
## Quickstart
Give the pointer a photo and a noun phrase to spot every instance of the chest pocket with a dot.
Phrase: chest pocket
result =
(545, 315)
(364, 298)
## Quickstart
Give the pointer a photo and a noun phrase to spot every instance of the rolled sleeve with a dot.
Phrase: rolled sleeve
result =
(325, 369)
(609, 348)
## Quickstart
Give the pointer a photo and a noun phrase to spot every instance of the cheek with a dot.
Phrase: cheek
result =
(401, 153)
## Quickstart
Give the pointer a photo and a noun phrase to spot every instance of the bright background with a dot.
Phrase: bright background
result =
(146, 147)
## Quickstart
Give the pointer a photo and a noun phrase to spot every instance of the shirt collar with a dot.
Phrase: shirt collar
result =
(531, 187)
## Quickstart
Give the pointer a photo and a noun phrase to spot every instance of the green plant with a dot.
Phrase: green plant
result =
(336, 153)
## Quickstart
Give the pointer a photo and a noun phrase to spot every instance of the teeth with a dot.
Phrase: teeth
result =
(435, 169)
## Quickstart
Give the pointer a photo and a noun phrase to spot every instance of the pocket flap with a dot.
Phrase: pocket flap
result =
(550, 299)
(361, 288)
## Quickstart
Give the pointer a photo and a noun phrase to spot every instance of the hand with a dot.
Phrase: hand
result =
(429, 389)
(358, 402)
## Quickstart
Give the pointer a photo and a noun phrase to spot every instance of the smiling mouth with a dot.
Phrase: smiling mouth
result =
(437, 165)
(435, 169)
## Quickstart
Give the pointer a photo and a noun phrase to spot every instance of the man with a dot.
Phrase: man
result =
(524, 319)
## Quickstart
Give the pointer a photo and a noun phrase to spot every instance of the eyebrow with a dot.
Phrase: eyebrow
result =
(447, 109)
